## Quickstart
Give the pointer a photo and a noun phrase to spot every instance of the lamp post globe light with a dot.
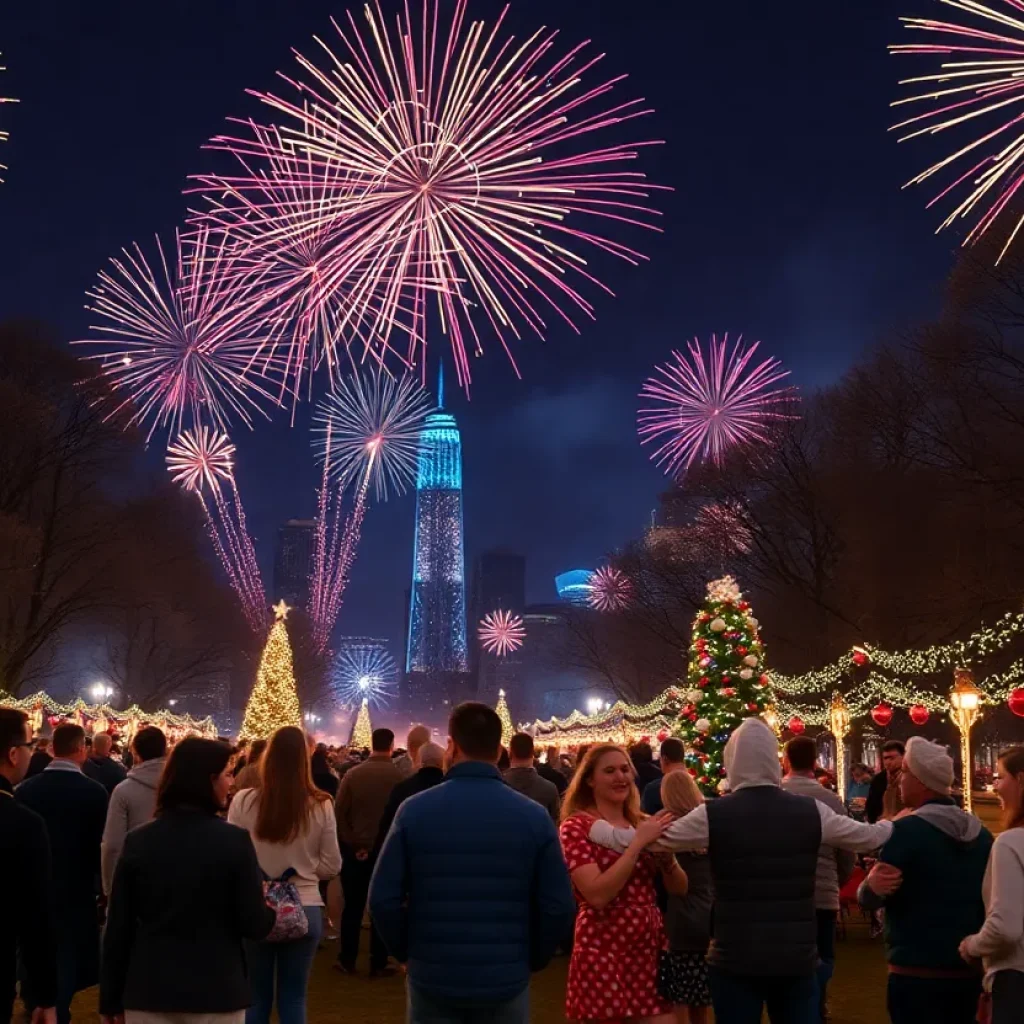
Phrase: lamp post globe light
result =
(965, 702)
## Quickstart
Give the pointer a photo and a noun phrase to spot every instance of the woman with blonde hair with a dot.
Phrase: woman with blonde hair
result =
(293, 829)
(613, 973)
(683, 978)
(1001, 939)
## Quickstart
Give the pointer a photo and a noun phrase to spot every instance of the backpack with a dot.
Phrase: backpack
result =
(283, 899)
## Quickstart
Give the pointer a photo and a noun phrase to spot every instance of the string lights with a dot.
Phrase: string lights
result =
(274, 701)
(362, 730)
(506, 719)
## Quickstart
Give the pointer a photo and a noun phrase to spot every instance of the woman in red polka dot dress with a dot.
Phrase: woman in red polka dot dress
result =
(613, 974)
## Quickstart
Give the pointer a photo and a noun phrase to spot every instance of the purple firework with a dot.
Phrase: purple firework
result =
(700, 406)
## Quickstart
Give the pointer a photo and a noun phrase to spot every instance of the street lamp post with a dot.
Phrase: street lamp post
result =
(965, 699)
(839, 722)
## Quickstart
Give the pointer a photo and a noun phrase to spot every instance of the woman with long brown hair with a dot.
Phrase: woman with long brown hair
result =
(1001, 939)
(613, 973)
(293, 829)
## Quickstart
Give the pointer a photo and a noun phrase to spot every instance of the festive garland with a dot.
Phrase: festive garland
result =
(131, 718)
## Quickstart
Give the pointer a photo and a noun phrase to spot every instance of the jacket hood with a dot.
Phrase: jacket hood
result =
(148, 773)
(751, 756)
(958, 825)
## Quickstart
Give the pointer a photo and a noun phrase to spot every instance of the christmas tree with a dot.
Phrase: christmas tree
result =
(362, 731)
(726, 680)
(507, 731)
(274, 701)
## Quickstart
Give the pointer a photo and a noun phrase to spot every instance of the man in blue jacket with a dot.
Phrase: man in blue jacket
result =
(471, 890)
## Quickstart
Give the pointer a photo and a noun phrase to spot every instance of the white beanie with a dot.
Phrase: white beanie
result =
(930, 764)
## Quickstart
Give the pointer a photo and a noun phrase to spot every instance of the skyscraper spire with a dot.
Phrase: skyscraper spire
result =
(440, 385)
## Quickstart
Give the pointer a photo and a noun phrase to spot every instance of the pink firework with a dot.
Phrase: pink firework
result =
(975, 94)
(501, 632)
(178, 342)
(203, 460)
(471, 177)
(277, 217)
(698, 408)
(610, 589)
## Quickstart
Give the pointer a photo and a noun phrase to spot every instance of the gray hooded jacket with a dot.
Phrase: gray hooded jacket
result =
(131, 804)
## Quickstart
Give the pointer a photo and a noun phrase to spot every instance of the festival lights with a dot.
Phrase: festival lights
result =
(507, 730)
(274, 701)
(699, 407)
(361, 737)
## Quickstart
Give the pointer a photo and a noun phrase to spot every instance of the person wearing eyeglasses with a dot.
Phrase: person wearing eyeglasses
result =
(24, 857)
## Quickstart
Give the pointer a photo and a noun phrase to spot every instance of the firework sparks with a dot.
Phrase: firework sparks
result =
(277, 217)
(609, 590)
(4, 136)
(501, 632)
(471, 177)
(702, 406)
(368, 429)
(203, 460)
(364, 673)
(367, 432)
(178, 343)
(979, 91)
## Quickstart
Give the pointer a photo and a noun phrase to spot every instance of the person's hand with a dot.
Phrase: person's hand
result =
(884, 879)
(650, 830)
(362, 854)
(965, 953)
(48, 1015)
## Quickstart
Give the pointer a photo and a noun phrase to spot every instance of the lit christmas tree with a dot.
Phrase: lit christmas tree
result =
(507, 730)
(362, 730)
(726, 680)
(274, 701)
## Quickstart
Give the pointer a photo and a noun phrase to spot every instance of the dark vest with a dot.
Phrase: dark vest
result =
(763, 844)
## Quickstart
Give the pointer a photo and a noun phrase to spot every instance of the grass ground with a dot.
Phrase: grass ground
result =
(857, 992)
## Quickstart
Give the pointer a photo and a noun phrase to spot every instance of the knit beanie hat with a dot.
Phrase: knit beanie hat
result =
(930, 764)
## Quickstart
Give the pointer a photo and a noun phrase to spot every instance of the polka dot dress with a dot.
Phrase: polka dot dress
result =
(613, 974)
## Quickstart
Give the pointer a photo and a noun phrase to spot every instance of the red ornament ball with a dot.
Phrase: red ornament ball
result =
(662, 735)
(1016, 702)
(860, 658)
(741, 650)
(881, 715)
(743, 606)
(919, 714)
(796, 725)
(752, 708)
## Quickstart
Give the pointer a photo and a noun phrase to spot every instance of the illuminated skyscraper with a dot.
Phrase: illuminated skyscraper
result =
(437, 609)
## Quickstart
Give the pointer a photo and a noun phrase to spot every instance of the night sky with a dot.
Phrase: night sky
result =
(787, 223)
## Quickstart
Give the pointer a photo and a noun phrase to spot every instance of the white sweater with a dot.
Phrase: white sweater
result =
(1001, 939)
(313, 855)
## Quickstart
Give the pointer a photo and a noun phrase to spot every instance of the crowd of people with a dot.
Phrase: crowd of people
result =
(200, 879)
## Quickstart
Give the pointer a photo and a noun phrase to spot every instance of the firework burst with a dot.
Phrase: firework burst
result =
(364, 673)
(368, 430)
(202, 460)
(609, 590)
(699, 407)
(4, 136)
(501, 632)
(177, 342)
(978, 93)
(471, 177)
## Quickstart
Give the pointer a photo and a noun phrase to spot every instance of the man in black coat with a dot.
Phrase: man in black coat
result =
(101, 767)
(74, 809)
(549, 770)
(430, 773)
(25, 864)
(40, 757)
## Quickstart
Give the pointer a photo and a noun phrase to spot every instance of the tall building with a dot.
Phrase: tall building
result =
(499, 581)
(436, 652)
(293, 561)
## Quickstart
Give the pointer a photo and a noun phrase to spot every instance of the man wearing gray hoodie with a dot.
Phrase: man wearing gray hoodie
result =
(928, 878)
(132, 801)
(763, 846)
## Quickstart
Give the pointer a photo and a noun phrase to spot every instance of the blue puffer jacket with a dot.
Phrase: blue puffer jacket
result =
(470, 888)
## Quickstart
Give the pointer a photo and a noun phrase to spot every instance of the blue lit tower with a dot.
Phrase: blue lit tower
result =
(437, 610)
